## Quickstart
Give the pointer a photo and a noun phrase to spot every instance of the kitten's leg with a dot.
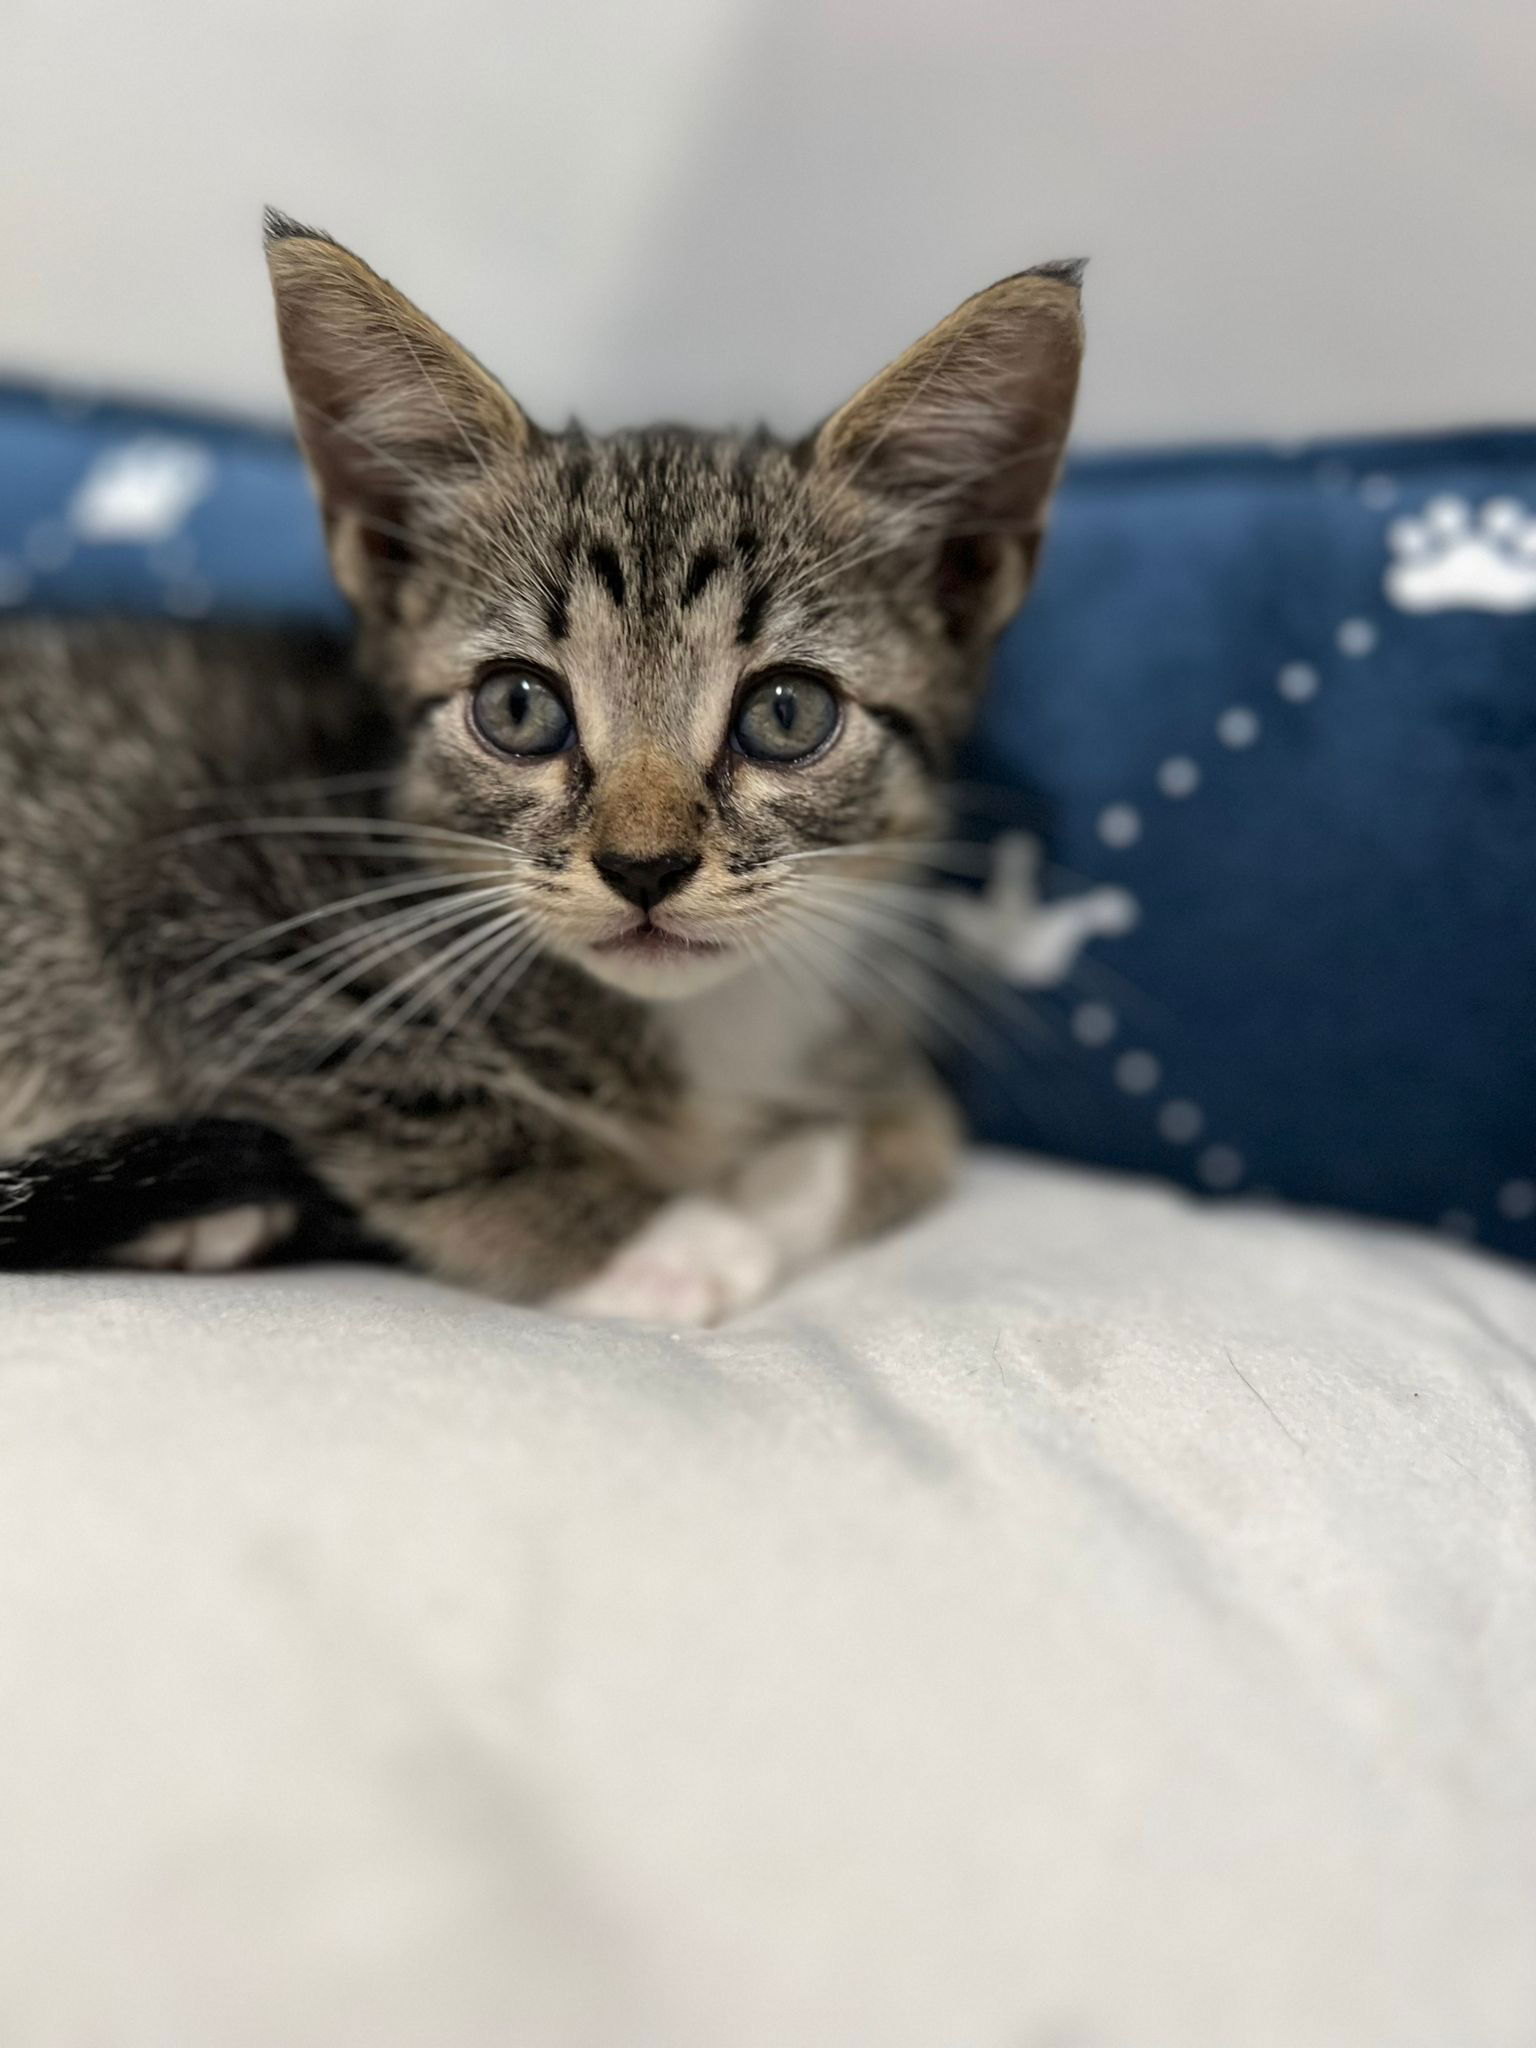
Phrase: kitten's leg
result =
(696, 1261)
(521, 1236)
(220, 1243)
(702, 1258)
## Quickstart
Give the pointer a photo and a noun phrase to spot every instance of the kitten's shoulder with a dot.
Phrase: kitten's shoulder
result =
(89, 645)
(148, 700)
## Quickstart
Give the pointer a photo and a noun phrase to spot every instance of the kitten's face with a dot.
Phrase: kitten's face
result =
(685, 684)
(655, 686)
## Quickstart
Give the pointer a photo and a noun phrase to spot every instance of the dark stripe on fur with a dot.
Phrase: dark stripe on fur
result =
(557, 590)
(752, 615)
(706, 566)
(908, 730)
(608, 569)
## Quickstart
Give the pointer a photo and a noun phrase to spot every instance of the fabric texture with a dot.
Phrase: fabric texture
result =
(1088, 1618)
(1269, 718)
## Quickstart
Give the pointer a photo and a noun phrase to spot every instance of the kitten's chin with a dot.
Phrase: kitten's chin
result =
(658, 969)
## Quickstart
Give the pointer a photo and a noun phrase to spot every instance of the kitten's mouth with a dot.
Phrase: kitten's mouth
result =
(653, 942)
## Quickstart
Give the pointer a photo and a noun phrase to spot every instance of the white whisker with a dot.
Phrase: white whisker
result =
(432, 922)
(427, 981)
(511, 952)
(937, 969)
(409, 885)
(321, 828)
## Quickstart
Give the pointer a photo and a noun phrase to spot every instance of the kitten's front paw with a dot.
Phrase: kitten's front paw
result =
(211, 1244)
(694, 1263)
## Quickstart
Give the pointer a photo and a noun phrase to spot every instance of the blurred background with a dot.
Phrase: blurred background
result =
(1304, 215)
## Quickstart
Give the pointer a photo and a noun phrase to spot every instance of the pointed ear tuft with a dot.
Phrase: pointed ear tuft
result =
(277, 226)
(1065, 269)
(391, 412)
(961, 439)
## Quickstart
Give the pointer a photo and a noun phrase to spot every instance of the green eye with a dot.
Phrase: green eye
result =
(786, 717)
(516, 712)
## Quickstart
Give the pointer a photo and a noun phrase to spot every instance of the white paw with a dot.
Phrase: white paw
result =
(694, 1263)
(211, 1244)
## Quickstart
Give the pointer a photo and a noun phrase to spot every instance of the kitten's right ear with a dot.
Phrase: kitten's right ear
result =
(391, 412)
(961, 439)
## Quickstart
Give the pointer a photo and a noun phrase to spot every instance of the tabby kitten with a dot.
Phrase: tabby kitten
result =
(537, 938)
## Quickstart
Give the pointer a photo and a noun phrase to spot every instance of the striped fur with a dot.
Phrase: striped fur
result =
(203, 832)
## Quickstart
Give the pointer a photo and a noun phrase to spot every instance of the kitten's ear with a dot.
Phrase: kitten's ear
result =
(962, 438)
(391, 412)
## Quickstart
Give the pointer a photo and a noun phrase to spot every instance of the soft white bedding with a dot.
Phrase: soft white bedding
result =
(1085, 1621)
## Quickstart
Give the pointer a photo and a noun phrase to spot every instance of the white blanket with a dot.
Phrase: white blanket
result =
(1087, 1620)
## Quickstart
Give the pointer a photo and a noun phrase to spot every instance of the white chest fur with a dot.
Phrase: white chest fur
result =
(760, 1212)
(752, 1044)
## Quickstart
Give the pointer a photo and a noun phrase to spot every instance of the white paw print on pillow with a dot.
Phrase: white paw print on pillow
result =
(1009, 929)
(141, 490)
(1444, 559)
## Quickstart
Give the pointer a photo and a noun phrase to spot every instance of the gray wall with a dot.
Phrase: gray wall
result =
(1303, 214)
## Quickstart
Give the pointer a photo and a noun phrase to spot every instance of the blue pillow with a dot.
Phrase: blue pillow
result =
(1270, 719)
(1287, 700)
(131, 508)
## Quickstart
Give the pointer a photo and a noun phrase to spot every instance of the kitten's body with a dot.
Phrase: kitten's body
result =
(517, 1082)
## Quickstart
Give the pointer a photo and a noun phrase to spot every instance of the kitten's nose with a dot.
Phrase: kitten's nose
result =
(645, 882)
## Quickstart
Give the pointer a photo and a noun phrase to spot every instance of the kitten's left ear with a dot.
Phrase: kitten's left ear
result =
(962, 438)
(390, 410)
